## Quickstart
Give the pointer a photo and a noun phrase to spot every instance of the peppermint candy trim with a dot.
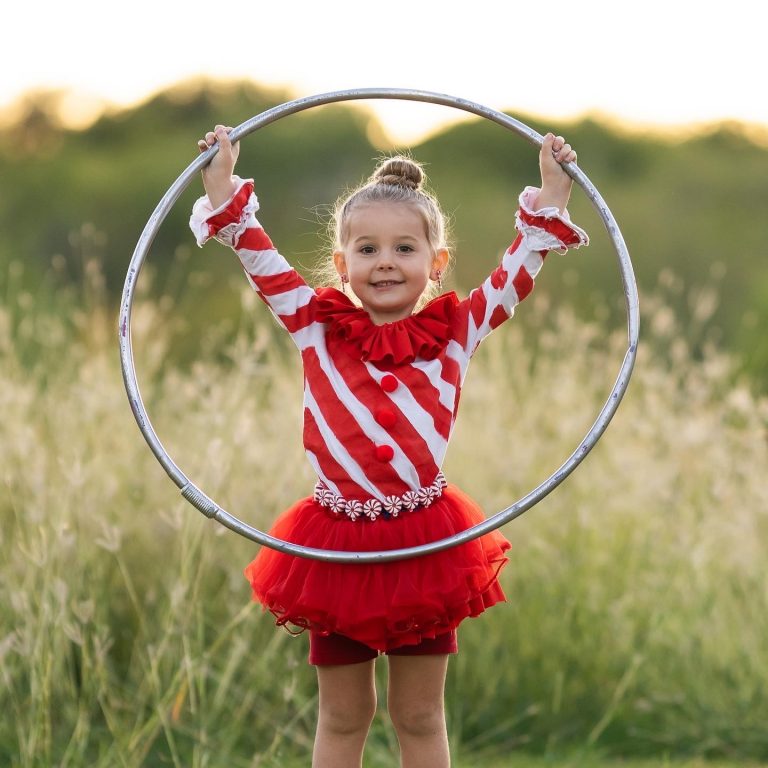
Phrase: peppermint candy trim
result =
(424, 497)
(410, 500)
(392, 505)
(373, 509)
(354, 509)
(338, 506)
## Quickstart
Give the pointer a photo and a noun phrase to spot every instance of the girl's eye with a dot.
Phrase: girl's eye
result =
(367, 249)
(405, 249)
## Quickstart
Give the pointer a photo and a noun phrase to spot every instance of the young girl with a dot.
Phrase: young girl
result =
(381, 389)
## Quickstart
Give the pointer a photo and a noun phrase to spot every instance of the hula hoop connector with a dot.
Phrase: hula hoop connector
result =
(199, 500)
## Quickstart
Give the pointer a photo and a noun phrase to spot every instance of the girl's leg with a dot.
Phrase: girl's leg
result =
(415, 702)
(347, 708)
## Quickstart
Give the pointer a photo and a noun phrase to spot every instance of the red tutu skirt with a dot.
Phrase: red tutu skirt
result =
(384, 605)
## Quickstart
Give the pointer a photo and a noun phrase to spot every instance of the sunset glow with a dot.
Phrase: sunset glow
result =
(650, 64)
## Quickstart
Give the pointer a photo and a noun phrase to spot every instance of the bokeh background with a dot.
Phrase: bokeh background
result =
(637, 592)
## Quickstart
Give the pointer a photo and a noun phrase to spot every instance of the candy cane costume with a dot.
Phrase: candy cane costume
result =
(380, 402)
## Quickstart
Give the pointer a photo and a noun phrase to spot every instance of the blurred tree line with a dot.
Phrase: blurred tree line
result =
(691, 209)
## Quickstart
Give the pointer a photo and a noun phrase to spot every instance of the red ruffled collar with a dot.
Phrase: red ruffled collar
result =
(424, 334)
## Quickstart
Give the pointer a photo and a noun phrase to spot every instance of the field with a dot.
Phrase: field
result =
(638, 603)
(582, 761)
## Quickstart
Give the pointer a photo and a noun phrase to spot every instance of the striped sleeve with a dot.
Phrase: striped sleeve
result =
(493, 302)
(281, 287)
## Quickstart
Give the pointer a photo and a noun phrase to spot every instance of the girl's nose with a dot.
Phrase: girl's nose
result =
(385, 260)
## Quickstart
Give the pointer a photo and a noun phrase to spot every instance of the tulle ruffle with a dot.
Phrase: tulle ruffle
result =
(384, 605)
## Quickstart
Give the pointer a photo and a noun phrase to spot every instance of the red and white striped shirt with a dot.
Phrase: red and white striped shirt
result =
(375, 426)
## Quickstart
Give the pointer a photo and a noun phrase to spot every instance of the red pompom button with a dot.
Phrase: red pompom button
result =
(386, 418)
(385, 452)
(389, 383)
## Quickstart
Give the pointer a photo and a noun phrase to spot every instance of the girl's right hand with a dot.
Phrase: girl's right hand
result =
(217, 175)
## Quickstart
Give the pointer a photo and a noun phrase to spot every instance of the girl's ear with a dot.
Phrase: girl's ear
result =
(439, 263)
(340, 262)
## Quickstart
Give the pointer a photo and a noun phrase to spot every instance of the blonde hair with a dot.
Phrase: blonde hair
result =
(397, 179)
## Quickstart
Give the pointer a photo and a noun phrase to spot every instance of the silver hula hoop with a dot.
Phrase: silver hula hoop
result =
(208, 506)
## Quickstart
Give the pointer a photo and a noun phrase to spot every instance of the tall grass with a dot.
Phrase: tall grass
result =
(637, 611)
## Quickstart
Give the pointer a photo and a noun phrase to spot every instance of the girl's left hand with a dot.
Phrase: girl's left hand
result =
(555, 182)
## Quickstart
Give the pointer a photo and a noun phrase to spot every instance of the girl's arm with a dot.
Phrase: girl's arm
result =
(543, 224)
(228, 214)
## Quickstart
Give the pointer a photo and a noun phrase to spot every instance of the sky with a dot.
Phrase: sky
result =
(649, 64)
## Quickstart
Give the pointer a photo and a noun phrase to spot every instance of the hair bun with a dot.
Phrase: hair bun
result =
(399, 171)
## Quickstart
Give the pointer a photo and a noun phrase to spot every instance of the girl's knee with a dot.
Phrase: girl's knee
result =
(342, 719)
(347, 697)
(415, 697)
(348, 713)
(418, 719)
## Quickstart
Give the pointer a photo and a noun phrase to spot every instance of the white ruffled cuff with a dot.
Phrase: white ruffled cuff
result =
(232, 215)
(547, 229)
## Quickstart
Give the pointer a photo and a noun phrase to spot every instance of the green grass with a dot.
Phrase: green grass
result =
(587, 762)
(567, 760)
(637, 610)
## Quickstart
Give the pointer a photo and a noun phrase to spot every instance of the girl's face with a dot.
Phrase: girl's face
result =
(388, 259)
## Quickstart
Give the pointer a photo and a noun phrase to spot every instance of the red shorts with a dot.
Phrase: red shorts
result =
(338, 649)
